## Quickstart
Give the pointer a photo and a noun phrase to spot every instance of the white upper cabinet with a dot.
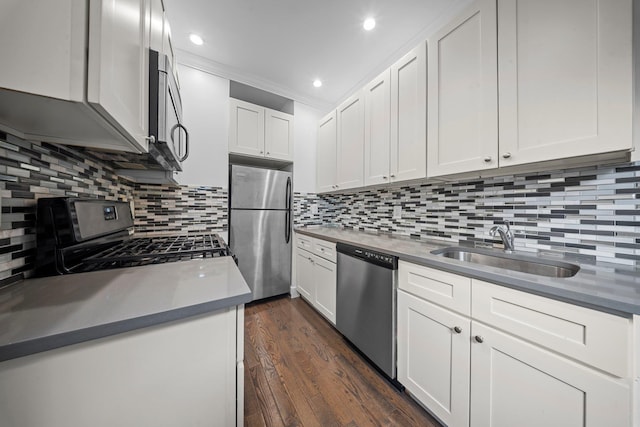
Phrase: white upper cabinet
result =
(278, 141)
(463, 94)
(350, 153)
(565, 78)
(377, 118)
(118, 76)
(246, 129)
(326, 161)
(77, 72)
(556, 73)
(259, 131)
(408, 155)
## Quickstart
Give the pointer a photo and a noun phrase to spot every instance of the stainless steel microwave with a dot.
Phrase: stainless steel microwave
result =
(168, 137)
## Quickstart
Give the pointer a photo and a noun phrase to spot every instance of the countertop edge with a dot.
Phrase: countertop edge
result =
(592, 301)
(41, 344)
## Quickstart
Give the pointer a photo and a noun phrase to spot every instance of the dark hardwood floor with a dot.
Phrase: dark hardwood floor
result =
(299, 371)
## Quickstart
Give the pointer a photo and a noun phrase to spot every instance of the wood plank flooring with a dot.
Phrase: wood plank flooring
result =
(299, 371)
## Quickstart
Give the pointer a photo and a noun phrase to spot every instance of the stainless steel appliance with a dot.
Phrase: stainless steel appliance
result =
(78, 235)
(168, 137)
(260, 228)
(365, 303)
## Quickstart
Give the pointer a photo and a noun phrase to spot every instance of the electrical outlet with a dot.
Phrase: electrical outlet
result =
(314, 209)
(397, 212)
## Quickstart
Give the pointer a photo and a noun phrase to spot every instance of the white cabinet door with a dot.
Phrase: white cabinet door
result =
(43, 49)
(409, 116)
(462, 87)
(278, 141)
(514, 383)
(325, 286)
(434, 357)
(246, 129)
(350, 122)
(118, 71)
(156, 25)
(326, 161)
(376, 129)
(565, 78)
(305, 281)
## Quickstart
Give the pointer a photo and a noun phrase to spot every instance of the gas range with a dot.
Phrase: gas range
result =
(81, 235)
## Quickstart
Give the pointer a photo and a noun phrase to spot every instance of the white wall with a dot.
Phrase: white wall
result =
(205, 101)
(304, 154)
(205, 104)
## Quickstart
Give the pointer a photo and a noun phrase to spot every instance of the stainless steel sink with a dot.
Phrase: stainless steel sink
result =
(513, 262)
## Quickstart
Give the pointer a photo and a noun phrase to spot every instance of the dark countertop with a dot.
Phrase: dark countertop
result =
(46, 313)
(603, 286)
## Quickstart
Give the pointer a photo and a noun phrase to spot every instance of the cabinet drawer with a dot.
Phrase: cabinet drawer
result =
(324, 249)
(304, 242)
(445, 289)
(598, 339)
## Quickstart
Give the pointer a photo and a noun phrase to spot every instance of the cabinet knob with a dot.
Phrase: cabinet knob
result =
(506, 155)
(151, 139)
(384, 177)
(457, 329)
(393, 175)
(478, 338)
(487, 159)
(262, 152)
(268, 153)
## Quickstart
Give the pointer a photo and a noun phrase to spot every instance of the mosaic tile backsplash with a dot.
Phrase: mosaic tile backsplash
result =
(593, 212)
(161, 209)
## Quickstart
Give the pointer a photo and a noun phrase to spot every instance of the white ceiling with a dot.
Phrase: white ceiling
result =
(283, 45)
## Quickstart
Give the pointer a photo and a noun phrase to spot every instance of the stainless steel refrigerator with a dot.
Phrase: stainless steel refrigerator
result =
(260, 228)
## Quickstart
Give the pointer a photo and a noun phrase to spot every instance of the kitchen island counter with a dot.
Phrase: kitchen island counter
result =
(603, 286)
(46, 313)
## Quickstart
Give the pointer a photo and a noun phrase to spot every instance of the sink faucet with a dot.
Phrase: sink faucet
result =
(506, 235)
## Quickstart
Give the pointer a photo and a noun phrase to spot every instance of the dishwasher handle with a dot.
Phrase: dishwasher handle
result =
(367, 255)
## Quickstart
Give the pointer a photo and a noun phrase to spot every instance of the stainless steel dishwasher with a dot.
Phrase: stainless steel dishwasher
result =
(366, 301)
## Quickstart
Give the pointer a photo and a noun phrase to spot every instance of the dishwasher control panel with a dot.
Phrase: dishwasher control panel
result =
(379, 258)
(376, 256)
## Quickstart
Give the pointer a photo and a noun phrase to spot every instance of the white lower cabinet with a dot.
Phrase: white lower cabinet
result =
(186, 372)
(316, 275)
(515, 383)
(304, 274)
(517, 360)
(434, 358)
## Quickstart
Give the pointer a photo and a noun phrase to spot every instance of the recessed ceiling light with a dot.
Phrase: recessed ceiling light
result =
(369, 24)
(196, 39)
(317, 83)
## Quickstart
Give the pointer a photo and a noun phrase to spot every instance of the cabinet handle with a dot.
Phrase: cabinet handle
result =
(457, 329)
(151, 139)
(487, 159)
(506, 155)
(478, 338)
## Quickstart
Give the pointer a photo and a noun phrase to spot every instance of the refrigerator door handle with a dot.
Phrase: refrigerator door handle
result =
(288, 194)
(287, 231)
(287, 225)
